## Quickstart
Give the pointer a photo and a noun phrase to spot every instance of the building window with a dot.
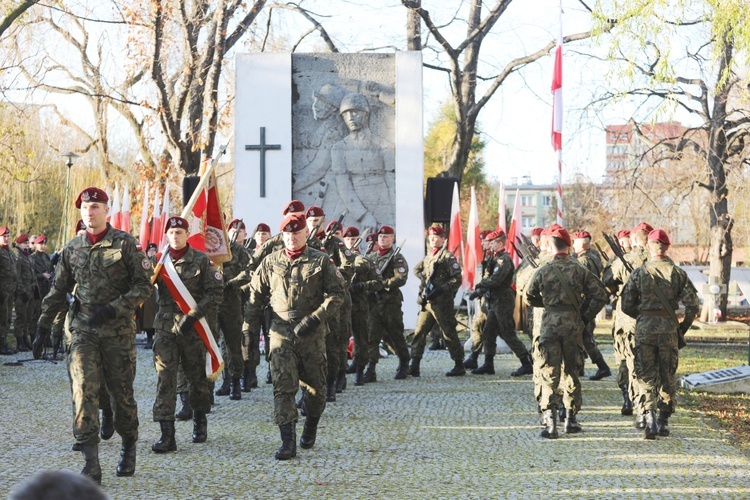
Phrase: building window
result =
(527, 201)
(527, 222)
(548, 201)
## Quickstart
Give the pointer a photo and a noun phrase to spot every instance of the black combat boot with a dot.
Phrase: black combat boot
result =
(488, 368)
(5, 350)
(352, 368)
(288, 441)
(235, 394)
(571, 424)
(359, 378)
(126, 466)
(640, 421)
(526, 368)
(331, 389)
(414, 368)
(650, 431)
(627, 404)
(662, 423)
(561, 414)
(166, 442)
(107, 428)
(370, 375)
(224, 389)
(186, 412)
(602, 372)
(341, 381)
(246, 378)
(149, 338)
(253, 379)
(550, 417)
(21, 345)
(437, 344)
(200, 427)
(309, 433)
(76, 447)
(403, 368)
(269, 380)
(470, 363)
(56, 346)
(457, 370)
(92, 468)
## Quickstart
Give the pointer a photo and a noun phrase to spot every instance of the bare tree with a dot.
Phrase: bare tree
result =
(15, 13)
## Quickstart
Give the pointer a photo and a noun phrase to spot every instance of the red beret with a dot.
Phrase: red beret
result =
(237, 224)
(293, 222)
(659, 235)
(484, 234)
(436, 230)
(263, 228)
(386, 230)
(537, 231)
(80, 226)
(498, 233)
(579, 235)
(292, 207)
(351, 232)
(314, 211)
(371, 237)
(177, 223)
(40, 239)
(4, 230)
(643, 226)
(623, 233)
(24, 238)
(561, 233)
(91, 194)
(333, 223)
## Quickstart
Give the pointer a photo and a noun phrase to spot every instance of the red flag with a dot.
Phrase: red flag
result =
(144, 236)
(557, 113)
(514, 230)
(207, 231)
(125, 210)
(164, 217)
(114, 213)
(455, 236)
(473, 245)
(155, 237)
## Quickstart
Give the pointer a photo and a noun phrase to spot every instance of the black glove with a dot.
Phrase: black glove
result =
(356, 287)
(306, 326)
(186, 324)
(41, 338)
(101, 315)
(474, 295)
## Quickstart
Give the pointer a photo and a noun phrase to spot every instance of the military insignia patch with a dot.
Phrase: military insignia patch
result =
(347, 253)
(146, 264)
(218, 276)
(402, 269)
(338, 274)
(85, 196)
(455, 265)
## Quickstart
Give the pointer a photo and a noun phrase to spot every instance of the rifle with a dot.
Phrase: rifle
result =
(430, 289)
(525, 252)
(390, 257)
(315, 231)
(332, 230)
(528, 245)
(617, 250)
(358, 241)
(601, 251)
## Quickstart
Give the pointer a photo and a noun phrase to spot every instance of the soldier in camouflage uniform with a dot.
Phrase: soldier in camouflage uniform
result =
(177, 342)
(111, 279)
(651, 287)
(230, 312)
(480, 316)
(440, 278)
(501, 298)
(304, 289)
(365, 281)
(624, 325)
(26, 281)
(43, 272)
(386, 317)
(592, 261)
(570, 296)
(7, 289)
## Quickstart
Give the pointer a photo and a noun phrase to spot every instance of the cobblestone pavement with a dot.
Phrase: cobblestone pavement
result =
(439, 437)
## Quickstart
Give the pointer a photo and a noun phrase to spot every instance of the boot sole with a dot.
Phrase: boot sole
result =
(128, 473)
(161, 452)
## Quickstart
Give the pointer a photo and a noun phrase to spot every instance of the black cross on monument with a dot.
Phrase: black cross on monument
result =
(262, 147)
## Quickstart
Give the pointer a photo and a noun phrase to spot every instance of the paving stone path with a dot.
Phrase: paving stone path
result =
(430, 437)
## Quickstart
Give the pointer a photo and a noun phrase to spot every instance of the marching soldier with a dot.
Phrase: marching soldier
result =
(480, 316)
(440, 279)
(501, 302)
(24, 294)
(43, 271)
(651, 295)
(111, 279)
(560, 287)
(7, 289)
(304, 289)
(386, 317)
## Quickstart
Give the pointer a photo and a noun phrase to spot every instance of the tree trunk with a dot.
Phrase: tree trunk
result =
(414, 28)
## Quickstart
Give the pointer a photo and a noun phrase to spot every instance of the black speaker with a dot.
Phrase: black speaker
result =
(189, 183)
(437, 206)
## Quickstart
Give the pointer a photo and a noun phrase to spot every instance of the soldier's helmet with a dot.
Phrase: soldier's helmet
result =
(331, 94)
(354, 101)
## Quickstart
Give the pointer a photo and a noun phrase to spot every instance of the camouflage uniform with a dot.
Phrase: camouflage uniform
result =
(111, 272)
(560, 339)
(41, 264)
(591, 260)
(368, 281)
(171, 348)
(7, 292)
(25, 284)
(230, 311)
(386, 317)
(656, 334)
(308, 285)
(480, 318)
(442, 271)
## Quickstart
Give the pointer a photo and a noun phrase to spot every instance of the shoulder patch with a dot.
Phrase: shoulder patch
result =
(402, 269)
(218, 276)
(347, 253)
(146, 264)
(455, 265)
(338, 273)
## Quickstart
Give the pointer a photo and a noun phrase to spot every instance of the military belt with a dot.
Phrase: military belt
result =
(560, 309)
(660, 313)
(289, 316)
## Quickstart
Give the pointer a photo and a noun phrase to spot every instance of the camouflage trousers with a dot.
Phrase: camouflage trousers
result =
(595, 355)
(337, 340)
(251, 347)
(656, 359)
(361, 331)
(296, 360)
(387, 324)
(624, 345)
(480, 319)
(172, 351)
(6, 313)
(566, 384)
(230, 325)
(24, 314)
(500, 322)
(442, 313)
(562, 352)
(94, 361)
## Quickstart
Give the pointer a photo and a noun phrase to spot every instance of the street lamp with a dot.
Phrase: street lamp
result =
(68, 163)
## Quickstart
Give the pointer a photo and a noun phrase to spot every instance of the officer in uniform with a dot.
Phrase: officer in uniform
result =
(7, 289)
(111, 279)
(386, 317)
(25, 284)
(304, 289)
(177, 342)
(251, 345)
(651, 296)
(501, 302)
(440, 279)
(43, 272)
(480, 315)
(570, 296)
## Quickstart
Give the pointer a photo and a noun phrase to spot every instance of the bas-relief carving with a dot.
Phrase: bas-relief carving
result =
(343, 134)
